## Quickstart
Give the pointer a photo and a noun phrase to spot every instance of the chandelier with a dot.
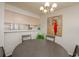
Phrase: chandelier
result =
(48, 8)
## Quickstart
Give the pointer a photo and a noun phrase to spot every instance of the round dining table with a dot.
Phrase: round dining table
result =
(39, 48)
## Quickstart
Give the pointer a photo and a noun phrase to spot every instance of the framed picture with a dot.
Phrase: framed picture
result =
(54, 26)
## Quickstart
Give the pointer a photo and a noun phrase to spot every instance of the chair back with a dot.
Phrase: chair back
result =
(76, 51)
(2, 52)
(26, 37)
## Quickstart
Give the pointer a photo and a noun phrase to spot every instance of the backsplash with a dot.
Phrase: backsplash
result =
(12, 26)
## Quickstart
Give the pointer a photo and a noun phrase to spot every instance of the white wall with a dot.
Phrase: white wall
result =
(1, 24)
(43, 24)
(70, 27)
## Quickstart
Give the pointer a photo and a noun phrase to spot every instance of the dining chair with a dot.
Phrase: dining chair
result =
(76, 51)
(2, 52)
(26, 37)
(49, 37)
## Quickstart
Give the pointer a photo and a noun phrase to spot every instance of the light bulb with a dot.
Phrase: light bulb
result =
(41, 8)
(45, 11)
(54, 5)
(47, 4)
(51, 9)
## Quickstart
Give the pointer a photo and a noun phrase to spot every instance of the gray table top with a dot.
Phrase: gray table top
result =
(39, 48)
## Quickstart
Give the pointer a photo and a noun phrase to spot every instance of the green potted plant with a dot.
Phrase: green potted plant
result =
(40, 35)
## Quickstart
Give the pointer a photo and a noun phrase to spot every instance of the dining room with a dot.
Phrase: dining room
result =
(39, 29)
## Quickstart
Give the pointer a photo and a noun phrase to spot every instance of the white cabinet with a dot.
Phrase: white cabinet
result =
(12, 39)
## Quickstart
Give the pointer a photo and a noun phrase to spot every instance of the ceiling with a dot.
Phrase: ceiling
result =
(34, 6)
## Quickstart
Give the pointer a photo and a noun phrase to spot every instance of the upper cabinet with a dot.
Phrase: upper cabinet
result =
(16, 21)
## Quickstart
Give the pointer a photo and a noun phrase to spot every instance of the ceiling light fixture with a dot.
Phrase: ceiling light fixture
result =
(47, 8)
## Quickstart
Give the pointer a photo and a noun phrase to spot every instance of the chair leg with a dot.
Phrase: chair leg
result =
(54, 39)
